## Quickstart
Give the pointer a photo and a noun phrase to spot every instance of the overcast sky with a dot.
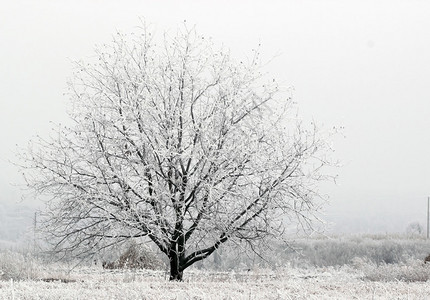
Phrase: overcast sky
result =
(363, 65)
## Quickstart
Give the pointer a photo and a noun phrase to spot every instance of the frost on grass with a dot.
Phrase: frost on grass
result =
(322, 283)
(365, 277)
(412, 271)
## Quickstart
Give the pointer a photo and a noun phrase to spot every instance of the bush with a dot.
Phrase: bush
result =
(411, 271)
(326, 252)
(135, 257)
(339, 251)
(18, 266)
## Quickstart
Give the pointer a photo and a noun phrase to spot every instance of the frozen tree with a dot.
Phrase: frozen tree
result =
(414, 228)
(178, 143)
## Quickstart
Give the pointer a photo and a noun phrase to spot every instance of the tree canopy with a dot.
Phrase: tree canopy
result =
(178, 143)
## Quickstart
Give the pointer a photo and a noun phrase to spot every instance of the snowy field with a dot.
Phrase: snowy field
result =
(323, 283)
(344, 267)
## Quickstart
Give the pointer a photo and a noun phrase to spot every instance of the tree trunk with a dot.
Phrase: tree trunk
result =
(176, 275)
(177, 253)
(175, 272)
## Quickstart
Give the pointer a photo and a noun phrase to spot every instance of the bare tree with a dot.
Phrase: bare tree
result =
(414, 228)
(178, 143)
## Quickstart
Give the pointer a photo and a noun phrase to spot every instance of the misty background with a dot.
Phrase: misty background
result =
(360, 65)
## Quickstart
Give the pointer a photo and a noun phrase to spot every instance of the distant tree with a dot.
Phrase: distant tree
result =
(179, 143)
(414, 228)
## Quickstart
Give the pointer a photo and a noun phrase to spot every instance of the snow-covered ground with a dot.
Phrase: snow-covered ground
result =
(343, 267)
(290, 283)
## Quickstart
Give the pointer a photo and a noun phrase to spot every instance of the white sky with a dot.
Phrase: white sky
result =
(364, 65)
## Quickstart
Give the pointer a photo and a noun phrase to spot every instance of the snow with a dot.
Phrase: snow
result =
(291, 283)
